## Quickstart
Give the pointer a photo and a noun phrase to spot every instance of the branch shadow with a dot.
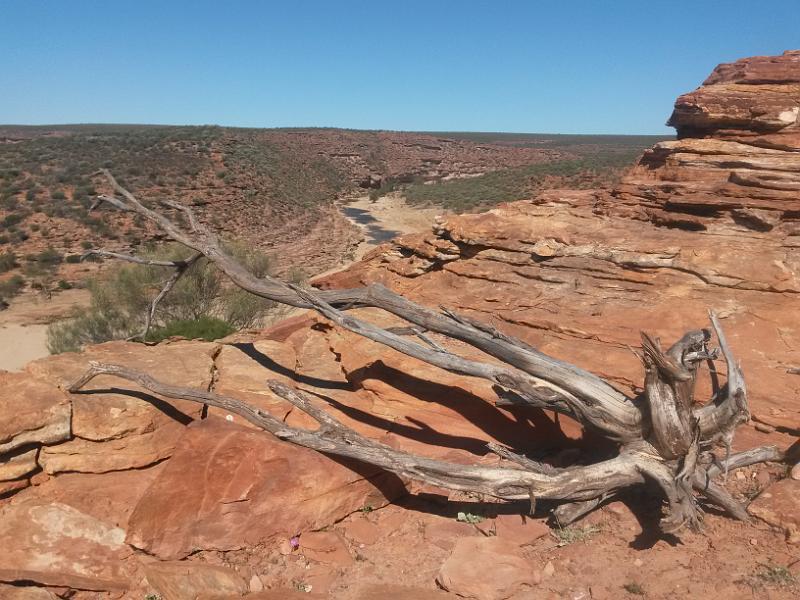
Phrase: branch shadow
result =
(526, 429)
(165, 407)
(268, 363)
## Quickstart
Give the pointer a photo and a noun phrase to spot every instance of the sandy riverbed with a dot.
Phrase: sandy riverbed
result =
(386, 218)
(23, 326)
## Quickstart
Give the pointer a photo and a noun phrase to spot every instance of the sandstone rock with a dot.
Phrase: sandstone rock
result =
(320, 578)
(595, 286)
(485, 569)
(255, 584)
(325, 547)
(18, 465)
(362, 531)
(117, 425)
(57, 545)
(7, 487)
(42, 418)
(130, 452)
(121, 491)
(735, 162)
(243, 370)
(187, 580)
(398, 592)
(228, 487)
(444, 533)
(520, 531)
(283, 594)
(12, 592)
(779, 505)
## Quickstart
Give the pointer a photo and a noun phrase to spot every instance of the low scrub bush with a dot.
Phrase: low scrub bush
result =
(8, 261)
(200, 305)
(204, 328)
(11, 287)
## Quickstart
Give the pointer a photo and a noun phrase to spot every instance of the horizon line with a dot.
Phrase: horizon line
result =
(326, 127)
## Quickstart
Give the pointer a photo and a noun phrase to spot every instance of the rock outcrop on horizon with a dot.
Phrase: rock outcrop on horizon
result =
(737, 156)
(116, 493)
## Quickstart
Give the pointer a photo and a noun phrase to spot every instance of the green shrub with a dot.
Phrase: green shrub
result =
(73, 258)
(198, 303)
(58, 195)
(204, 328)
(13, 219)
(63, 284)
(8, 261)
(49, 256)
(11, 287)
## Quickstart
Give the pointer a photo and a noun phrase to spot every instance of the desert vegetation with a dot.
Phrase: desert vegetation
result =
(269, 187)
(127, 302)
(595, 162)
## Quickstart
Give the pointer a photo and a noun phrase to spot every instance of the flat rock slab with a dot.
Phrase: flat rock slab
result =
(186, 580)
(485, 568)
(32, 411)
(116, 424)
(13, 592)
(779, 505)
(227, 487)
(16, 465)
(57, 545)
(398, 592)
(325, 547)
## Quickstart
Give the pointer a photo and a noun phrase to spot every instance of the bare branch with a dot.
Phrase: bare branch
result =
(180, 270)
(133, 259)
(578, 483)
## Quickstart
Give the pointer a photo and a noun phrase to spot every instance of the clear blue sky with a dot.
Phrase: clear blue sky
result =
(564, 66)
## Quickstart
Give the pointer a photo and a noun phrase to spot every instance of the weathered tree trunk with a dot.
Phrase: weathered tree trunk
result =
(662, 437)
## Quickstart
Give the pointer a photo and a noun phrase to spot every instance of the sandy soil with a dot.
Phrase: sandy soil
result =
(386, 218)
(23, 326)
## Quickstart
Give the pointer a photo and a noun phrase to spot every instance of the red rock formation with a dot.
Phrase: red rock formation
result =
(136, 482)
(737, 158)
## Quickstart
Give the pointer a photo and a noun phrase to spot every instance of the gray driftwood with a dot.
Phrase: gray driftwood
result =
(664, 437)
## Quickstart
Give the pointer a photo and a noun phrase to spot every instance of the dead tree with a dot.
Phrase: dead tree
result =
(663, 436)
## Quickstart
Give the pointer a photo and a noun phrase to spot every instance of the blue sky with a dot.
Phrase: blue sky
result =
(555, 67)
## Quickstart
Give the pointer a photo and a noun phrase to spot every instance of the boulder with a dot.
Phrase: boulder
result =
(228, 487)
(43, 417)
(116, 424)
(13, 592)
(485, 568)
(53, 544)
